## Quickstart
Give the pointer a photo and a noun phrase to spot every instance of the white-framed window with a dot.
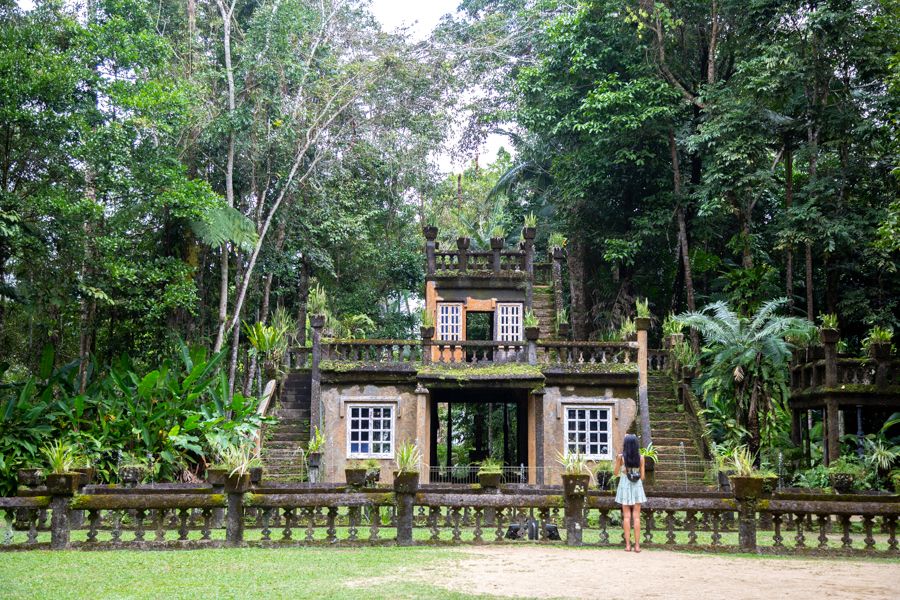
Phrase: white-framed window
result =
(588, 431)
(509, 321)
(449, 321)
(370, 430)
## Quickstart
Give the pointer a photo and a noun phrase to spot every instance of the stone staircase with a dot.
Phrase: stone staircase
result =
(543, 307)
(282, 460)
(671, 432)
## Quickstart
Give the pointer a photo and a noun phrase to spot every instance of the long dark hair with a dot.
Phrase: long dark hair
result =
(630, 452)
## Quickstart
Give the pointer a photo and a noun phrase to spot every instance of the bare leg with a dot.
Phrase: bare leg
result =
(626, 523)
(636, 515)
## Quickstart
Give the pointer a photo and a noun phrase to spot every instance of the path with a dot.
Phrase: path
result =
(533, 572)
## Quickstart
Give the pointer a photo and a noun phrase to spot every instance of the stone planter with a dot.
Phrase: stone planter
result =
(770, 483)
(575, 484)
(557, 253)
(131, 476)
(490, 481)
(675, 339)
(642, 323)
(463, 243)
(564, 329)
(430, 232)
(314, 460)
(256, 474)
(829, 336)
(427, 333)
(317, 321)
(63, 484)
(497, 243)
(881, 351)
(746, 488)
(406, 482)
(30, 477)
(87, 475)
(532, 333)
(603, 479)
(216, 476)
(237, 483)
(355, 477)
(841, 482)
(373, 476)
(529, 233)
(724, 480)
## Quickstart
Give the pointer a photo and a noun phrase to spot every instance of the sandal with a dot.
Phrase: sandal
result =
(637, 550)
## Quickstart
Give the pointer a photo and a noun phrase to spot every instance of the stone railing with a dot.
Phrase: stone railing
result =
(658, 360)
(543, 273)
(372, 351)
(573, 354)
(194, 517)
(463, 263)
(478, 352)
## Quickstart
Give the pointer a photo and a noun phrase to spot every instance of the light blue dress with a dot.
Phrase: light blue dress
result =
(630, 492)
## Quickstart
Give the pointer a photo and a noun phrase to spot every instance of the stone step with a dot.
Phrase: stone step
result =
(293, 413)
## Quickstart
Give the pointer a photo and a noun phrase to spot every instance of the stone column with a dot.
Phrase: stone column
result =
(538, 397)
(405, 487)
(462, 244)
(575, 490)
(234, 519)
(59, 522)
(430, 232)
(643, 324)
(747, 524)
(557, 256)
(831, 430)
(528, 233)
(830, 339)
(423, 430)
(496, 248)
(316, 323)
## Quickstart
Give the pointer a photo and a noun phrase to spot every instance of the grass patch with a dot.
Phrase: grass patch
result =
(226, 573)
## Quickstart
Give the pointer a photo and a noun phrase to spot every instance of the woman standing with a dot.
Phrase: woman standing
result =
(630, 493)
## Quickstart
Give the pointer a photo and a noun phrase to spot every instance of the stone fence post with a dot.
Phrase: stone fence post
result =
(60, 518)
(316, 323)
(462, 244)
(747, 523)
(575, 490)
(234, 518)
(406, 485)
(642, 325)
(430, 232)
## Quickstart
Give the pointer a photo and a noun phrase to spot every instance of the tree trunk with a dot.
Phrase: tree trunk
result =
(575, 260)
(235, 337)
(683, 237)
(302, 296)
(788, 204)
(88, 304)
(810, 313)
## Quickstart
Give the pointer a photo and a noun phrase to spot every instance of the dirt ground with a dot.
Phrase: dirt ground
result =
(534, 572)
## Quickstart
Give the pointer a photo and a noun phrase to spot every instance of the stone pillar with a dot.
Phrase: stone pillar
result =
(59, 522)
(496, 248)
(234, 519)
(405, 487)
(538, 436)
(427, 335)
(423, 430)
(557, 256)
(831, 430)
(430, 232)
(316, 323)
(830, 339)
(796, 438)
(462, 244)
(643, 324)
(575, 490)
(747, 524)
(528, 233)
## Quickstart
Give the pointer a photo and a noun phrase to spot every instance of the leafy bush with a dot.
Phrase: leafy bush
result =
(814, 478)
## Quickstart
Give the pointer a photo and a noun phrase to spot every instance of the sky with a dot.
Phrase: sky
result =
(421, 16)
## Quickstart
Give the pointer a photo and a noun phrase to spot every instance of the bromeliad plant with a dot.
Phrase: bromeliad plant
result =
(530, 319)
(408, 458)
(60, 457)
(573, 463)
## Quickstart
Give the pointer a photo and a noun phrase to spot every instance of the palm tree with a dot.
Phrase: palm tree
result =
(747, 358)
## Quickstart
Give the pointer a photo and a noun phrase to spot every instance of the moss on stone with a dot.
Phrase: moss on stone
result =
(469, 371)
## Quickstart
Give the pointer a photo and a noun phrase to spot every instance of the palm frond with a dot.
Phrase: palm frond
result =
(225, 224)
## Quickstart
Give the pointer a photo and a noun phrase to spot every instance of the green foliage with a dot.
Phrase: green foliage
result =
(490, 466)
(878, 335)
(642, 308)
(266, 339)
(426, 317)
(408, 457)
(60, 456)
(316, 442)
(236, 458)
(530, 319)
(573, 463)
(671, 325)
(745, 361)
(556, 240)
(743, 462)
(498, 232)
(317, 302)
(650, 453)
(829, 320)
(814, 478)
(530, 220)
(627, 329)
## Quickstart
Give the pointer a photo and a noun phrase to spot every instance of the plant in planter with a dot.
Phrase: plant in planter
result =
(530, 226)
(576, 475)
(628, 330)
(373, 471)
(131, 469)
(406, 477)
(427, 328)
(878, 342)
(355, 473)
(317, 301)
(603, 473)
(844, 473)
(746, 480)
(722, 456)
(498, 237)
(532, 325)
(562, 322)
(85, 467)
(255, 468)
(30, 477)
(237, 459)
(651, 457)
(314, 449)
(556, 242)
(61, 479)
(490, 473)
